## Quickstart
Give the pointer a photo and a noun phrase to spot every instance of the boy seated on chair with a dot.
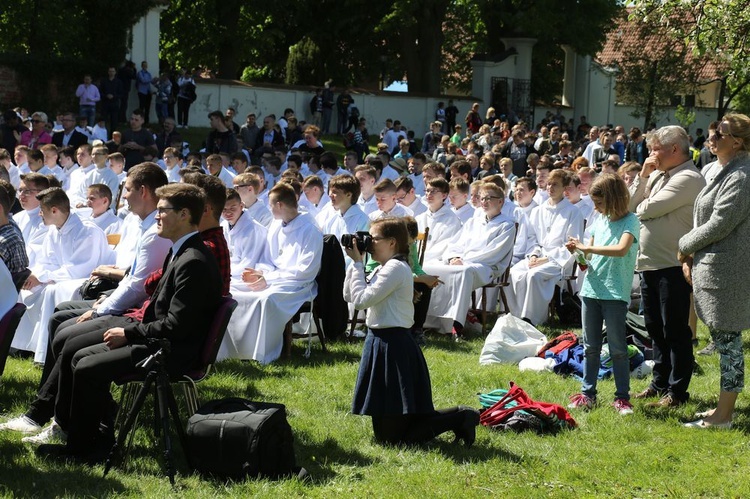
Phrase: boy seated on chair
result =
(245, 237)
(272, 292)
(458, 195)
(99, 199)
(442, 222)
(534, 278)
(385, 197)
(480, 252)
(248, 185)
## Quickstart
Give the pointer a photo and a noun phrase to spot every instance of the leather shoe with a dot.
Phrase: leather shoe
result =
(467, 431)
(666, 401)
(646, 394)
(704, 425)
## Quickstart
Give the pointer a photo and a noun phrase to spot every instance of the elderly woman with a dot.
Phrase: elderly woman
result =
(38, 135)
(716, 250)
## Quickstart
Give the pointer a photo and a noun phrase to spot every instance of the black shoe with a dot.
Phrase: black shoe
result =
(467, 431)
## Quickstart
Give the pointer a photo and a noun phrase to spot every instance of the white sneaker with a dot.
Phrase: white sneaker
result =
(51, 434)
(22, 424)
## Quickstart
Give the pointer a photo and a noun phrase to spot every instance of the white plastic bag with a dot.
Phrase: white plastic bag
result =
(510, 341)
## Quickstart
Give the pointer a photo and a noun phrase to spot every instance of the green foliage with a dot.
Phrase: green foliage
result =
(51, 47)
(685, 117)
(304, 66)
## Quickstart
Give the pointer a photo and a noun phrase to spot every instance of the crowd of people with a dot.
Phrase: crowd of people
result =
(252, 205)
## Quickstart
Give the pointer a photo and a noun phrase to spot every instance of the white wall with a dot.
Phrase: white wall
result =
(413, 112)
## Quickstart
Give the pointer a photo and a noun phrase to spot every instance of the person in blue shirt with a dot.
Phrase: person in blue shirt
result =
(610, 255)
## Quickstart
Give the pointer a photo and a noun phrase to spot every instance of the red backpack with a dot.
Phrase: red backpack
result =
(553, 416)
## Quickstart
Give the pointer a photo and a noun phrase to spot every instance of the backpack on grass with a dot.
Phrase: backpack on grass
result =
(236, 438)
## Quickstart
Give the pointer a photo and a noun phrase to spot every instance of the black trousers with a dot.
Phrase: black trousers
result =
(422, 306)
(111, 112)
(416, 428)
(42, 409)
(666, 305)
(144, 102)
(183, 110)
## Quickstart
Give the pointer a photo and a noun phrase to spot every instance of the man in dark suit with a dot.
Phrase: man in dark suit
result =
(181, 311)
(69, 136)
(268, 137)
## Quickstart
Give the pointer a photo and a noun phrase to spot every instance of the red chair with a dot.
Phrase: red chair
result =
(8, 325)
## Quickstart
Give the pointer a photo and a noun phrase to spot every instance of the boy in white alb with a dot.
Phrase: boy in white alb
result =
(444, 225)
(458, 196)
(533, 279)
(246, 238)
(247, 186)
(385, 198)
(406, 196)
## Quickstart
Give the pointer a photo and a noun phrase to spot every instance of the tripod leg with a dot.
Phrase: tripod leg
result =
(162, 395)
(174, 410)
(130, 420)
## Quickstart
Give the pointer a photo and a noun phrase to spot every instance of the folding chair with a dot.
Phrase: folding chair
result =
(500, 283)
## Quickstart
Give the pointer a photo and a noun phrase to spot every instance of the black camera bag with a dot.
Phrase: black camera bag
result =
(237, 438)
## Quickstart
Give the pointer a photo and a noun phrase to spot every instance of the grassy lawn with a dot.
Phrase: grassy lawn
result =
(647, 454)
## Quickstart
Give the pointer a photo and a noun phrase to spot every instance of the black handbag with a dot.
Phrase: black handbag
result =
(94, 287)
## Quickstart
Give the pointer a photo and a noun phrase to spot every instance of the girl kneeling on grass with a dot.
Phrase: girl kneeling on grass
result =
(605, 293)
(393, 383)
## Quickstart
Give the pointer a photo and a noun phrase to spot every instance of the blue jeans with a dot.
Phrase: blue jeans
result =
(89, 112)
(593, 314)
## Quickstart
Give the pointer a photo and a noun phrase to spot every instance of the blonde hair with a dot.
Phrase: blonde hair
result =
(739, 128)
(613, 190)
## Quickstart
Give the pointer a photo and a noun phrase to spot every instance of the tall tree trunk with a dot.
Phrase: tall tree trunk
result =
(651, 102)
(421, 45)
(228, 15)
(721, 108)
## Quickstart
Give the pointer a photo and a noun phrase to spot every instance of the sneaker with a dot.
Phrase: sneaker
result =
(51, 434)
(624, 407)
(581, 401)
(23, 424)
(667, 401)
(710, 349)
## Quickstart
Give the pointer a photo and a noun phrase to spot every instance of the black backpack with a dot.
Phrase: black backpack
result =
(236, 438)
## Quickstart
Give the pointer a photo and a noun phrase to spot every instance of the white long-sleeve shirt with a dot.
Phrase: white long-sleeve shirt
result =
(388, 296)
(246, 241)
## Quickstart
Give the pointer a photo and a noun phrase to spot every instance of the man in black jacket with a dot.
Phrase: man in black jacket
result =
(111, 90)
(180, 311)
(69, 136)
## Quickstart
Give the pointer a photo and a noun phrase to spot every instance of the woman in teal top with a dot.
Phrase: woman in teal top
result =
(605, 294)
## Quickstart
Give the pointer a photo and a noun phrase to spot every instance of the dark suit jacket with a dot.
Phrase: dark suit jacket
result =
(183, 304)
(278, 140)
(76, 140)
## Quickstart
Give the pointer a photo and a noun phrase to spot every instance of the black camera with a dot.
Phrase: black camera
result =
(362, 238)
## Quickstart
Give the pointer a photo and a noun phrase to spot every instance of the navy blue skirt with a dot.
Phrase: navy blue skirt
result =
(393, 377)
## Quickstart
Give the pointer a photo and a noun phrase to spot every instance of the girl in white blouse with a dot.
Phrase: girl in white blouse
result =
(393, 383)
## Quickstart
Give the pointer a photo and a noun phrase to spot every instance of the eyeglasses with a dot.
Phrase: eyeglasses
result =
(429, 192)
(163, 210)
(26, 192)
(168, 157)
(718, 135)
(37, 121)
(486, 199)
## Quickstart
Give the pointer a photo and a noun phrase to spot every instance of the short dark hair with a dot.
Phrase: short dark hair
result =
(54, 197)
(328, 161)
(187, 196)
(345, 183)
(215, 190)
(102, 190)
(215, 114)
(40, 181)
(148, 175)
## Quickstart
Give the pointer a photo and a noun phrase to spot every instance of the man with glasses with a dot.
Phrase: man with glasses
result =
(173, 161)
(29, 221)
(480, 251)
(69, 136)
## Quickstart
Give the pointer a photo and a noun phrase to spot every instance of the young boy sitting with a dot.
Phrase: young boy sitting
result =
(458, 195)
(247, 186)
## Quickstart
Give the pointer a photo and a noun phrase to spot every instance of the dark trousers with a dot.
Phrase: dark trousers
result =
(422, 306)
(111, 115)
(341, 121)
(416, 428)
(666, 307)
(63, 312)
(144, 102)
(43, 407)
(327, 112)
(87, 369)
(183, 109)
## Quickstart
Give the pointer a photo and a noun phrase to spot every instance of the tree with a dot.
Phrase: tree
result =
(653, 67)
(304, 66)
(717, 31)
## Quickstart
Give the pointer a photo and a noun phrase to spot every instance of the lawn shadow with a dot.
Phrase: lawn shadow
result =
(477, 453)
(43, 479)
(319, 458)
(12, 390)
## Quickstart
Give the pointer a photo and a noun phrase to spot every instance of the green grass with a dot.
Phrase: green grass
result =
(647, 454)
